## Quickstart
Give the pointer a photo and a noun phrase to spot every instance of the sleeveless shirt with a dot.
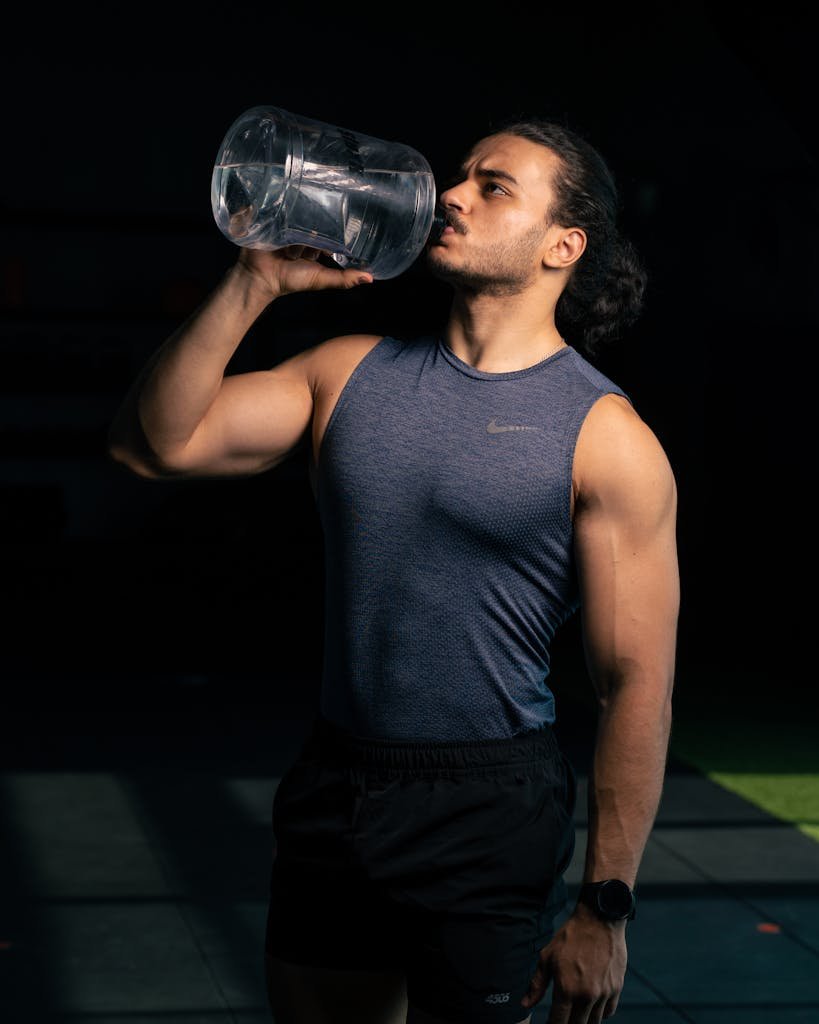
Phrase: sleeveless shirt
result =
(443, 493)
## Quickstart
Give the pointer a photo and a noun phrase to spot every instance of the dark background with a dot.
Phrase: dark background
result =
(144, 596)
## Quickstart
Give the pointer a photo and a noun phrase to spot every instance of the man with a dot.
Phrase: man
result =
(475, 488)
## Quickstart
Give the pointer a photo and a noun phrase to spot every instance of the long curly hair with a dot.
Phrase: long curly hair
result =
(605, 292)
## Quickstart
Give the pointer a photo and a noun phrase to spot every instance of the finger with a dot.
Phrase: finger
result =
(611, 1006)
(561, 1010)
(356, 277)
(302, 252)
(582, 1011)
(537, 986)
(599, 1011)
(324, 277)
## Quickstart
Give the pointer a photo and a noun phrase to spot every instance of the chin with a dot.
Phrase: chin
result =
(436, 260)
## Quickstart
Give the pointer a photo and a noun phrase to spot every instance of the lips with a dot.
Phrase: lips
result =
(446, 224)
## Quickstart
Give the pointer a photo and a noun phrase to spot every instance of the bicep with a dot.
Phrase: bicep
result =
(255, 421)
(626, 556)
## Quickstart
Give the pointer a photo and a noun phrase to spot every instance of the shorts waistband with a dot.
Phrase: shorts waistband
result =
(539, 745)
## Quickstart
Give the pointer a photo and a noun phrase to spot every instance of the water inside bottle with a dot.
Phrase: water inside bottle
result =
(378, 224)
(246, 198)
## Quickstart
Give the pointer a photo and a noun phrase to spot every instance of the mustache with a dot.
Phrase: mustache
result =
(453, 220)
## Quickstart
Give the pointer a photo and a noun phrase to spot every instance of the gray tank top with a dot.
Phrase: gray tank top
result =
(443, 494)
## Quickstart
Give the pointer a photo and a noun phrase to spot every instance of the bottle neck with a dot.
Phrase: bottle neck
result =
(438, 225)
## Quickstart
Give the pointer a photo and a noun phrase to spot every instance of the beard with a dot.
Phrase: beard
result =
(503, 268)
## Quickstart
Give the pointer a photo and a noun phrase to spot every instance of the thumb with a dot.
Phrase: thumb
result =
(538, 984)
(343, 277)
(355, 277)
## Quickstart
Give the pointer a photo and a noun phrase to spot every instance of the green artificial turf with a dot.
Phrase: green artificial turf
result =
(772, 764)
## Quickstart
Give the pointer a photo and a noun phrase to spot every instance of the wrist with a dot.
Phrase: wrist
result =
(255, 290)
(610, 899)
(583, 912)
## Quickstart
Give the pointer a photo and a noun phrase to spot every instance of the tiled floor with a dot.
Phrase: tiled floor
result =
(135, 866)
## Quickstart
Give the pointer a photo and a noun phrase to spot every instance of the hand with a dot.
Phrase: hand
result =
(295, 268)
(586, 960)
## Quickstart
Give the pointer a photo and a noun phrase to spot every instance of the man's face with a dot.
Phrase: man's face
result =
(498, 211)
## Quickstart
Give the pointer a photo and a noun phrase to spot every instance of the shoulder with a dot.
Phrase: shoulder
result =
(324, 365)
(342, 347)
(618, 457)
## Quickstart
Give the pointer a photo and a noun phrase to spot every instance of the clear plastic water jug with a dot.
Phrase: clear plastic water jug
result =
(281, 179)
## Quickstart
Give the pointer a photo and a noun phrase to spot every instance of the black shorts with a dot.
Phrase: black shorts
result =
(442, 860)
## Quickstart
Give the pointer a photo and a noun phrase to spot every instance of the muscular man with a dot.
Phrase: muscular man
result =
(476, 487)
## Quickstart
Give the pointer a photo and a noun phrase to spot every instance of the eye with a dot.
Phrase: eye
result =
(492, 185)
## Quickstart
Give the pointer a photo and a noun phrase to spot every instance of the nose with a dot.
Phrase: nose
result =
(454, 197)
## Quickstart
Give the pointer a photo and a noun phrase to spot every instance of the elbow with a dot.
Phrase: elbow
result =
(127, 445)
(127, 460)
(138, 459)
(118, 450)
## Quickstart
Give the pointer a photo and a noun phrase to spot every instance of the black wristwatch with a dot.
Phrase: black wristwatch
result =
(611, 899)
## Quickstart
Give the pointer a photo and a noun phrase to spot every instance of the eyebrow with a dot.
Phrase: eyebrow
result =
(492, 172)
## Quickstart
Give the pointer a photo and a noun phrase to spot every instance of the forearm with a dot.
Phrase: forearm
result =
(188, 371)
(626, 781)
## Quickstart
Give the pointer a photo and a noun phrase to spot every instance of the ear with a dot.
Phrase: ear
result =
(565, 249)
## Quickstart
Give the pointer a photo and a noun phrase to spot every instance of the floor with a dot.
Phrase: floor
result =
(136, 847)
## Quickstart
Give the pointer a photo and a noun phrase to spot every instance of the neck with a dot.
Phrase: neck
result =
(500, 335)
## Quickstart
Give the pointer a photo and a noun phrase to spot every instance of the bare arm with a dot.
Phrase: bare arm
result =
(184, 417)
(625, 540)
(625, 543)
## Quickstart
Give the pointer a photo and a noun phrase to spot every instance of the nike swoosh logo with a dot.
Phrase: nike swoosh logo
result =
(492, 427)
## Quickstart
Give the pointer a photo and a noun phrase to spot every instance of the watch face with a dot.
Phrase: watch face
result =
(614, 898)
